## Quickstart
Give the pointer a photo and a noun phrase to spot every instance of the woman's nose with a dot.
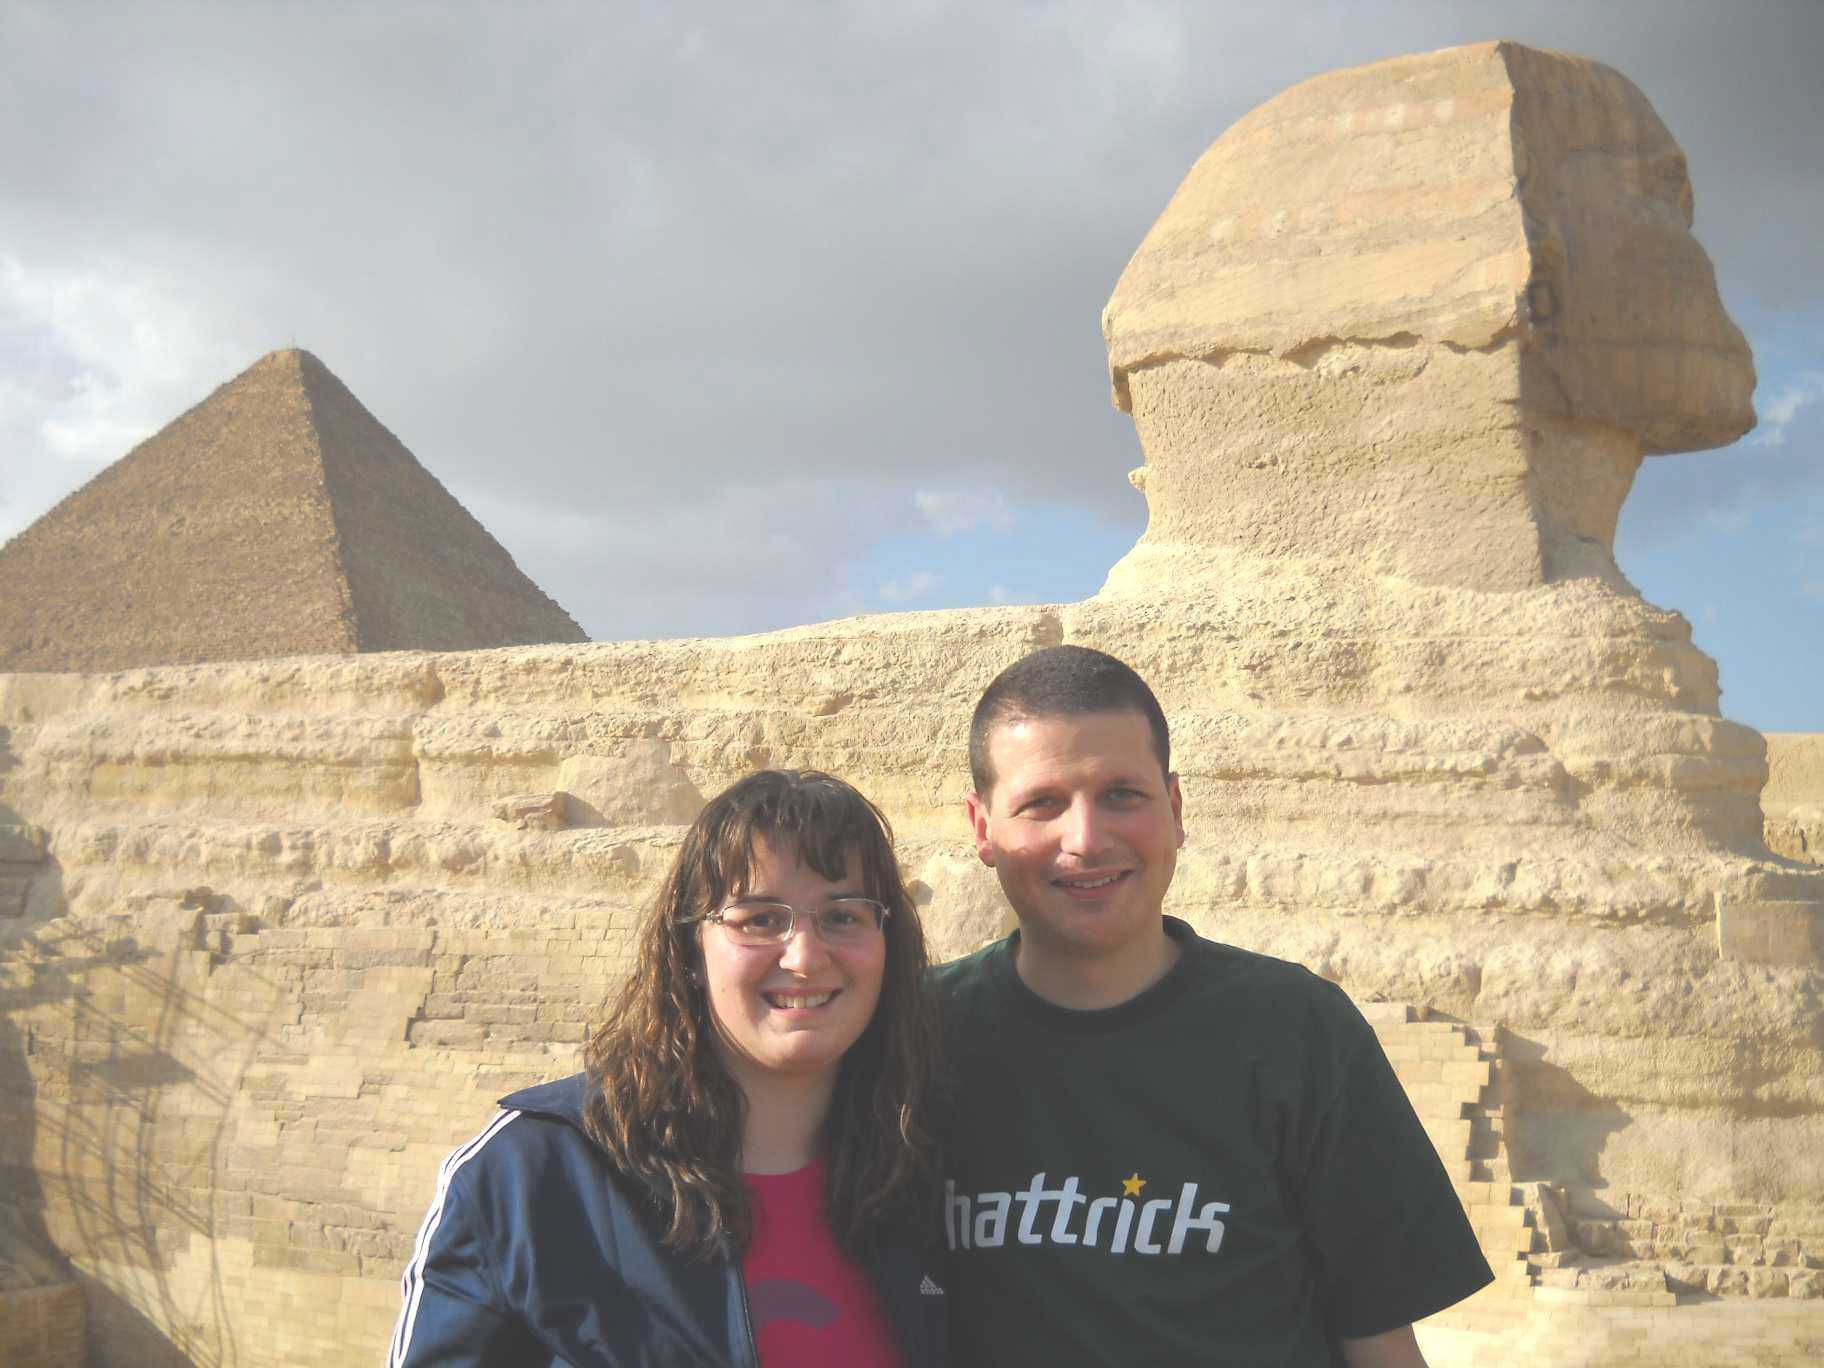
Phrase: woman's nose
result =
(804, 948)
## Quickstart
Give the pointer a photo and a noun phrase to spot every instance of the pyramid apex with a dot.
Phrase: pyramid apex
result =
(279, 358)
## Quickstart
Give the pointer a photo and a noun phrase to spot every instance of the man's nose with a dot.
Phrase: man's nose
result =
(804, 949)
(1082, 834)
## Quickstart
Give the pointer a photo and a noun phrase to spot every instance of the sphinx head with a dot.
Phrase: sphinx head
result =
(1490, 242)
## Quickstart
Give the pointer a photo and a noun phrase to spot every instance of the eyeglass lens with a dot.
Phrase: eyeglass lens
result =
(842, 919)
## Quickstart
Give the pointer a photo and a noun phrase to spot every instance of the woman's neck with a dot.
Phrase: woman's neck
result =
(784, 1124)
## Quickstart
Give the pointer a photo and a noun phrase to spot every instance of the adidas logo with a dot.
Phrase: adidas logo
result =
(927, 1288)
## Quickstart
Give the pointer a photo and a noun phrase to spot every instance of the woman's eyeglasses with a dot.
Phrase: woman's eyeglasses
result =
(840, 921)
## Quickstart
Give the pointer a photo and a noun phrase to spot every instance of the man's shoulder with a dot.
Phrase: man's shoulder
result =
(967, 974)
(1234, 966)
(1250, 982)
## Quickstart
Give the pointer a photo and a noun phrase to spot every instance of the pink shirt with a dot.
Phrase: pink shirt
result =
(811, 1306)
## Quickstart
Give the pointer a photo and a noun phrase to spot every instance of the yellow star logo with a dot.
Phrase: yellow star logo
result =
(1130, 1187)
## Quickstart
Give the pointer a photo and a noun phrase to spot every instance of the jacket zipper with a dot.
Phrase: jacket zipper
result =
(747, 1315)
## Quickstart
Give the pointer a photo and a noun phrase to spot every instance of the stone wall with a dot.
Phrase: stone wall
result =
(1793, 801)
(298, 923)
(43, 1327)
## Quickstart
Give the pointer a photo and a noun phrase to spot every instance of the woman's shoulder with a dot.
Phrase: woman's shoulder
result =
(537, 1133)
(561, 1099)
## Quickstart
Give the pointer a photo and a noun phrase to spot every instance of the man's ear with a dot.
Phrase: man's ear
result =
(1171, 787)
(977, 808)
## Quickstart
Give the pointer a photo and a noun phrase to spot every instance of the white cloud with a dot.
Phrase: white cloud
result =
(998, 593)
(1803, 390)
(949, 512)
(914, 586)
(121, 351)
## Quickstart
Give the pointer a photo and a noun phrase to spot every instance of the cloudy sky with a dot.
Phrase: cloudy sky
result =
(728, 316)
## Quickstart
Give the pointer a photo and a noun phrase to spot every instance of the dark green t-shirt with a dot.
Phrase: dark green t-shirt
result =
(1223, 1170)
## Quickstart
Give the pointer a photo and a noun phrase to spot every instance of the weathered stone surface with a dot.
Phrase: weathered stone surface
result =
(533, 811)
(1497, 193)
(1431, 743)
(1771, 932)
(1793, 801)
(1472, 280)
(277, 517)
(21, 844)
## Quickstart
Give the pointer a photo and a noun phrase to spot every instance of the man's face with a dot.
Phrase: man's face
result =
(1082, 827)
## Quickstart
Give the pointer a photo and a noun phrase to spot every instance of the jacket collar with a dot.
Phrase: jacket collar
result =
(563, 1099)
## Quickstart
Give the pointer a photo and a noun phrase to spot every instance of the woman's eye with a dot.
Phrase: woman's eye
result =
(757, 918)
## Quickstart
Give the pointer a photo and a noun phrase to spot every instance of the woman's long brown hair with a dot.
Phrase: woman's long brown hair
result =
(662, 1104)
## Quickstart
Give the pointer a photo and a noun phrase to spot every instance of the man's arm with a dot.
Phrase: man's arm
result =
(1394, 1349)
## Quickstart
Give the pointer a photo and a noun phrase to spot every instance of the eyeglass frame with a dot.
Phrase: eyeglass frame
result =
(792, 914)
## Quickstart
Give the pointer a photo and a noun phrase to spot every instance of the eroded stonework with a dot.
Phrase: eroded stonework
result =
(286, 928)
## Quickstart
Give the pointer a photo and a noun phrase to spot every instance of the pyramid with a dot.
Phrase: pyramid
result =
(278, 517)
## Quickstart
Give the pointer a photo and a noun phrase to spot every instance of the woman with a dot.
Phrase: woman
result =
(742, 1175)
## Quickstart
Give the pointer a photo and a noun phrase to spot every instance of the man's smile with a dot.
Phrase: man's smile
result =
(1093, 883)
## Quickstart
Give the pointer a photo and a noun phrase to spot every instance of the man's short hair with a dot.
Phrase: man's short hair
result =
(1058, 681)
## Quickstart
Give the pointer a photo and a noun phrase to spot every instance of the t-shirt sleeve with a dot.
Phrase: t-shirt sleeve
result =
(1389, 1235)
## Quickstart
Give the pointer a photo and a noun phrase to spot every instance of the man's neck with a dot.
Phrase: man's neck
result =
(1090, 982)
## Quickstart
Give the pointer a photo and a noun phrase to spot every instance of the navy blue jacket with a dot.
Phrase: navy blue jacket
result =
(536, 1254)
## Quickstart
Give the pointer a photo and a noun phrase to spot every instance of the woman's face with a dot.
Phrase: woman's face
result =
(795, 1008)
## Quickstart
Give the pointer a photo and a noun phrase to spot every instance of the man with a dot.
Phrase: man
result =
(1165, 1151)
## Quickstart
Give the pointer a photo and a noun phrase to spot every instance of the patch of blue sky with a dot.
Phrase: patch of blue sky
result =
(1037, 552)
(1754, 595)
(1734, 539)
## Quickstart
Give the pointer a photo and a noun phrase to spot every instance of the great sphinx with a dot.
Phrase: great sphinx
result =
(1395, 351)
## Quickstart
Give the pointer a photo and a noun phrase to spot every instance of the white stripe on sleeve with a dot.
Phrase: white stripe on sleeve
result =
(411, 1285)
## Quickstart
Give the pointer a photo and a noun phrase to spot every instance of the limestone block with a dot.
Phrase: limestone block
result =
(1798, 833)
(1545, 1204)
(1771, 932)
(1793, 799)
(641, 786)
(960, 903)
(1795, 768)
(533, 811)
(43, 1327)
